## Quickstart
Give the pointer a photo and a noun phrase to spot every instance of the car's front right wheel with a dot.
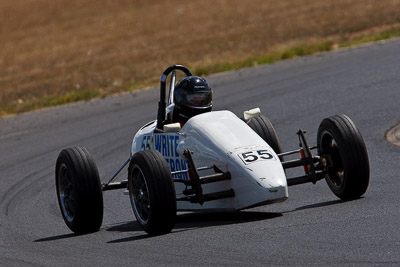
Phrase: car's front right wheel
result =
(345, 157)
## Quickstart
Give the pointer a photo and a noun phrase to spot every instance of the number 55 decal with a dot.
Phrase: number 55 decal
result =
(256, 155)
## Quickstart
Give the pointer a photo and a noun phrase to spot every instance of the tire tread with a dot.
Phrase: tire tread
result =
(264, 128)
(86, 183)
(161, 191)
(354, 156)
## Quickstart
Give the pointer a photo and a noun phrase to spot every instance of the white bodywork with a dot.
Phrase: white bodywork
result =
(220, 138)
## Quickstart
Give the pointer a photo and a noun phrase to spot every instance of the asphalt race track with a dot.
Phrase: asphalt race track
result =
(312, 227)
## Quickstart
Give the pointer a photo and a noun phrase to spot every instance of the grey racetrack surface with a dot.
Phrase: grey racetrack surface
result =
(311, 228)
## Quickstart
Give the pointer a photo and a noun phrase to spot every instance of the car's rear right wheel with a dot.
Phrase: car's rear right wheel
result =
(264, 128)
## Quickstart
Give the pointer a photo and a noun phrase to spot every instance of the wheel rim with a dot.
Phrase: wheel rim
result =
(66, 198)
(139, 194)
(330, 151)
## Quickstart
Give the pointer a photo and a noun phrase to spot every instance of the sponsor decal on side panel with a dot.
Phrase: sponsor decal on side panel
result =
(167, 145)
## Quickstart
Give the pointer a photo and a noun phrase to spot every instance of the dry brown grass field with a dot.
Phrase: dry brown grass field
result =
(53, 52)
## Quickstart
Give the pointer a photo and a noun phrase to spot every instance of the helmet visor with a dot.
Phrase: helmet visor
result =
(201, 99)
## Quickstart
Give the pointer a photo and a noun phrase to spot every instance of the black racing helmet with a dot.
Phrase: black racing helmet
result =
(192, 96)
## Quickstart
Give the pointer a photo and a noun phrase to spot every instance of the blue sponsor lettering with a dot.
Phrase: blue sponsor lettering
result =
(167, 145)
(157, 143)
(183, 166)
(172, 165)
(164, 146)
(171, 146)
(176, 139)
(178, 165)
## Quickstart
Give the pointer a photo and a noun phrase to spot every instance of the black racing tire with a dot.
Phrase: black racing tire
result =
(152, 192)
(79, 193)
(343, 150)
(264, 128)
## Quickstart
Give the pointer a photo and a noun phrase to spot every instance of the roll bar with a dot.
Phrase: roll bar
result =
(163, 88)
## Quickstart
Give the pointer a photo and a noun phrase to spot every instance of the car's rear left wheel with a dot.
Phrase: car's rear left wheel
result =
(79, 191)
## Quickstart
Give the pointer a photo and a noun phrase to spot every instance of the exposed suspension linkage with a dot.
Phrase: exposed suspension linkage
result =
(109, 185)
(313, 169)
(194, 194)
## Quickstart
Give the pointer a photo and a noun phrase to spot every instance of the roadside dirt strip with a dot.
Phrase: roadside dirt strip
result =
(393, 135)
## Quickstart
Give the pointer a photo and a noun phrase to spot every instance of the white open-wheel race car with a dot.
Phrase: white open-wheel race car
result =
(215, 161)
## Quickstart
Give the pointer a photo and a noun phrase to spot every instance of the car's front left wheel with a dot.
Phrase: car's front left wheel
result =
(152, 192)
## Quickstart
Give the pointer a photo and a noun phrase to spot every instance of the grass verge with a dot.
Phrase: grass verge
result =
(301, 48)
(71, 50)
(278, 53)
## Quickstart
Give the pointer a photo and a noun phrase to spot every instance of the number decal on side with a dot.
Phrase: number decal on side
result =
(255, 155)
(145, 142)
